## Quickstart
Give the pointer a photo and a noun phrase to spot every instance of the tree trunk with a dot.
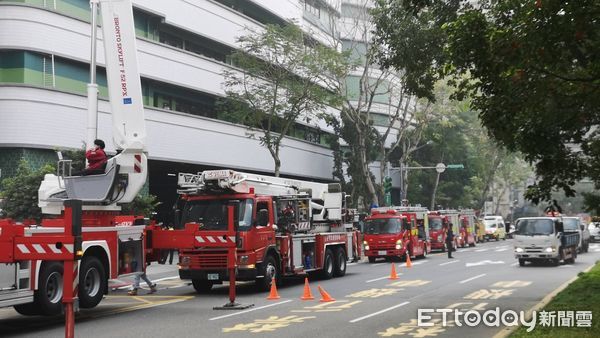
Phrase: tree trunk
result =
(437, 181)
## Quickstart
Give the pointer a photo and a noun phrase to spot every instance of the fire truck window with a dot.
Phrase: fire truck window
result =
(212, 214)
(261, 215)
(421, 229)
(382, 226)
(405, 224)
(435, 224)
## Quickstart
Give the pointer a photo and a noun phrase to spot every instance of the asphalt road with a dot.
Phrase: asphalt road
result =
(367, 304)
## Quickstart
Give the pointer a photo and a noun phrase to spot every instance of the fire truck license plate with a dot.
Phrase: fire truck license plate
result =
(382, 252)
(212, 276)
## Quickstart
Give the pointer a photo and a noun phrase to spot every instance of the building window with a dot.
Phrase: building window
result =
(312, 7)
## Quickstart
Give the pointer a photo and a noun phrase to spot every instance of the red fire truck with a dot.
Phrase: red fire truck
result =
(112, 244)
(285, 227)
(467, 228)
(437, 230)
(452, 217)
(396, 231)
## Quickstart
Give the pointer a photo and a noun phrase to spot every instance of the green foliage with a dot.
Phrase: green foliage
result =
(20, 192)
(142, 205)
(77, 156)
(275, 85)
(591, 203)
(530, 68)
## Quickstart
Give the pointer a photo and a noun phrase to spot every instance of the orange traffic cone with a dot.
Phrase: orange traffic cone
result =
(325, 297)
(393, 274)
(408, 262)
(273, 294)
(307, 294)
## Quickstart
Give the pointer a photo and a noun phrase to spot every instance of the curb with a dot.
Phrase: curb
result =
(509, 330)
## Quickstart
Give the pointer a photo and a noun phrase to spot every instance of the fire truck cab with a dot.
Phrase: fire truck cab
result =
(284, 227)
(467, 228)
(453, 218)
(437, 230)
(395, 232)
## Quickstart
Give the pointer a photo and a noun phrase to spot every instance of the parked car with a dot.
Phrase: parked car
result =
(594, 229)
(573, 224)
(494, 227)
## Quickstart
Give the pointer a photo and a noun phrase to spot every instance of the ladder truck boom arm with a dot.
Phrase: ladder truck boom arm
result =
(125, 173)
(329, 195)
(123, 77)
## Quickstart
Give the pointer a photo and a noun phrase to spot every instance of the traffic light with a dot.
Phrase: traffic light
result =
(387, 184)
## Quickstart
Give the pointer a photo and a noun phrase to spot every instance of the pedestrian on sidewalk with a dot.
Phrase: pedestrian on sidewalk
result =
(136, 284)
(450, 240)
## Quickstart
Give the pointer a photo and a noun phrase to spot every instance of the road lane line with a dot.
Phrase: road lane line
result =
(165, 278)
(380, 278)
(419, 262)
(376, 264)
(472, 278)
(455, 261)
(253, 309)
(378, 312)
(515, 264)
(481, 250)
(500, 250)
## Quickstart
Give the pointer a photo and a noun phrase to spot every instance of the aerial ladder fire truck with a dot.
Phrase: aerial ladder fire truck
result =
(396, 231)
(112, 245)
(283, 227)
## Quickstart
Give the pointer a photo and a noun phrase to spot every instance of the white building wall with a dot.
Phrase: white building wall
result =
(40, 118)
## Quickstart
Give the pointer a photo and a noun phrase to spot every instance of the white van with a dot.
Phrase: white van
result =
(494, 228)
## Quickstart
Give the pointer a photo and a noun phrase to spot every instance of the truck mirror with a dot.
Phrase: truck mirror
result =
(262, 217)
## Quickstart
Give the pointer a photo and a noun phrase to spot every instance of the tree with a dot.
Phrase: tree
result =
(530, 68)
(378, 118)
(276, 84)
(20, 192)
(142, 205)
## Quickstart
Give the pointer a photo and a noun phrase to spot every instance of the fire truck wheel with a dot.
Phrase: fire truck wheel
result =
(29, 309)
(327, 272)
(372, 259)
(92, 282)
(340, 262)
(270, 269)
(202, 286)
(48, 296)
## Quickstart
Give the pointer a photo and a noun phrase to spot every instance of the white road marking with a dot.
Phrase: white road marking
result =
(419, 262)
(485, 262)
(566, 266)
(501, 247)
(515, 264)
(165, 278)
(472, 278)
(500, 250)
(376, 264)
(253, 309)
(481, 250)
(378, 312)
(455, 261)
(380, 278)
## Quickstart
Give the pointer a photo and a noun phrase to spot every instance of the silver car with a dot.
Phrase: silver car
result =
(594, 229)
